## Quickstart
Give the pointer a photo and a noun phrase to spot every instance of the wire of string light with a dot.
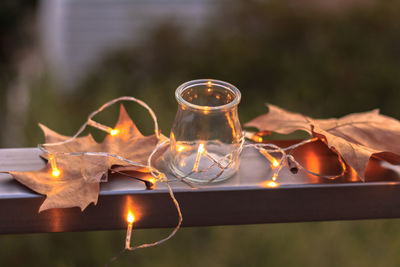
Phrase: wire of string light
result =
(159, 176)
(265, 149)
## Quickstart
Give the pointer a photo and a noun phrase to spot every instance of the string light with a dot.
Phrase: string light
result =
(130, 219)
(180, 148)
(102, 127)
(275, 163)
(200, 152)
(223, 163)
(54, 170)
(269, 157)
(114, 132)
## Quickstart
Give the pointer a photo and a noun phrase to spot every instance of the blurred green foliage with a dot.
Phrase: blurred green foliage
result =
(309, 60)
(15, 36)
(299, 57)
(326, 244)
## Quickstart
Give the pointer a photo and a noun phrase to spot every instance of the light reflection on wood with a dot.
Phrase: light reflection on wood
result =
(312, 163)
(56, 223)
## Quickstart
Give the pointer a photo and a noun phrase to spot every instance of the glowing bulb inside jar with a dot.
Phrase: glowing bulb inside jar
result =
(200, 151)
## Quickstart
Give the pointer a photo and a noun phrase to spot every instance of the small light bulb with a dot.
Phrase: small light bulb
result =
(114, 132)
(201, 148)
(274, 177)
(209, 83)
(130, 218)
(56, 172)
(257, 139)
(275, 163)
(200, 151)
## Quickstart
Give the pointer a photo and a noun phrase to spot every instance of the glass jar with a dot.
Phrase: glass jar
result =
(206, 136)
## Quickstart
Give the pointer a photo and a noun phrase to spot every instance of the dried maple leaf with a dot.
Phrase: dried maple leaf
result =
(129, 143)
(356, 137)
(70, 189)
(78, 184)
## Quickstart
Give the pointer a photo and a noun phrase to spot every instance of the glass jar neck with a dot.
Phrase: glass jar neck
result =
(207, 96)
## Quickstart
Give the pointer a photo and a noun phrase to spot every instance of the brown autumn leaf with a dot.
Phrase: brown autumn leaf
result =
(129, 143)
(68, 190)
(78, 183)
(356, 137)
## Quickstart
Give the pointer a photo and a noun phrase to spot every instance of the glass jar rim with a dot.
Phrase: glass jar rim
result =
(235, 101)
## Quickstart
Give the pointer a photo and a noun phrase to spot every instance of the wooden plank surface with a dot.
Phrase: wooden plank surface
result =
(244, 199)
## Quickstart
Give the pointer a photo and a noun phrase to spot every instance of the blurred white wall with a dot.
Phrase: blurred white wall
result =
(76, 33)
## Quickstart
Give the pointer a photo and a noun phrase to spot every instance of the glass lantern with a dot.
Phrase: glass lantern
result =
(206, 136)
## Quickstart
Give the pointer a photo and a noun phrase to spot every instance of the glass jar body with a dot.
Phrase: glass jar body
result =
(206, 135)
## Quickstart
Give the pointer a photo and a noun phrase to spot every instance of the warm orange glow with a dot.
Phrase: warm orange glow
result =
(180, 148)
(209, 90)
(201, 148)
(209, 83)
(313, 162)
(152, 180)
(352, 174)
(273, 184)
(130, 218)
(269, 184)
(114, 132)
(274, 177)
(206, 110)
(257, 139)
(56, 172)
(275, 163)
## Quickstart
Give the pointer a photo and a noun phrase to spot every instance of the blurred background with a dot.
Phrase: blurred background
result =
(61, 59)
